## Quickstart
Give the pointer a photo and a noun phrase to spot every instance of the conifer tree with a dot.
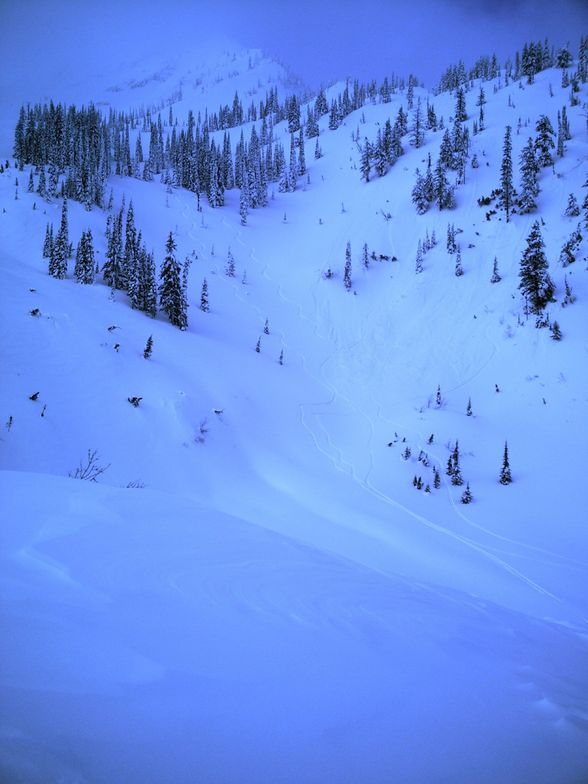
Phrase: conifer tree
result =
(58, 261)
(469, 407)
(312, 128)
(112, 271)
(429, 182)
(365, 257)
(379, 155)
(417, 133)
(419, 258)
(48, 244)
(572, 209)
(230, 265)
(456, 477)
(458, 267)
(410, 95)
(565, 126)
(129, 266)
(301, 156)
(31, 185)
(535, 283)
(171, 294)
(570, 248)
(61, 248)
(569, 298)
(460, 106)
(148, 350)
(443, 192)
(42, 185)
(347, 273)
(505, 475)
(446, 150)
(204, 306)
(451, 243)
(243, 206)
(506, 183)
(529, 176)
(495, 274)
(481, 102)
(561, 148)
(555, 331)
(333, 117)
(85, 266)
(467, 496)
(544, 142)
(365, 164)
(143, 291)
(419, 197)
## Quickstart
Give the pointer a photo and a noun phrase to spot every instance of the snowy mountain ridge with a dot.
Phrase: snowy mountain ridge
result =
(255, 543)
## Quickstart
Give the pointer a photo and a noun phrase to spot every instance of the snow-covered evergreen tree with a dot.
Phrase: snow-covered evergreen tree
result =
(230, 265)
(419, 258)
(347, 272)
(544, 143)
(172, 298)
(506, 183)
(555, 331)
(417, 131)
(42, 184)
(460, 106)
(570, 248)
(112, 271)
(204, 306)
(48, 243)
(243, 205)
(505, 475)
(365, 163)
(85, 265)
(443, 192)
(467, 496)
(148, 350)
(419, 196)
(496, 278)
(572, 209)
(451, 243)
(458, 267)
(301, 155)
(61, 247)
(535, 283)
(529, 178)
(129, 265)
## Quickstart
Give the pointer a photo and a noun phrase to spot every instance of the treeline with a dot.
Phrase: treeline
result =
(535, 56)
(75, 150)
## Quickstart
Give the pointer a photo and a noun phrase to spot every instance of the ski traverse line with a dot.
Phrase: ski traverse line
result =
(339, 462)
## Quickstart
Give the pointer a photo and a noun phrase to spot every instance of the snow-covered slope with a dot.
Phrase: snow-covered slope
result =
(254, 590)
(202, 77)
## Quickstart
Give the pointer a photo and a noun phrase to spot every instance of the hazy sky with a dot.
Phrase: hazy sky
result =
(321, 41)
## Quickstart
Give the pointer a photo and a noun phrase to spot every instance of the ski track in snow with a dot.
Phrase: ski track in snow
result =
(308, 413)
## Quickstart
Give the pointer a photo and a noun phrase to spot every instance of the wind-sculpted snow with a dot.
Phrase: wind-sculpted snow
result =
(156, 639)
